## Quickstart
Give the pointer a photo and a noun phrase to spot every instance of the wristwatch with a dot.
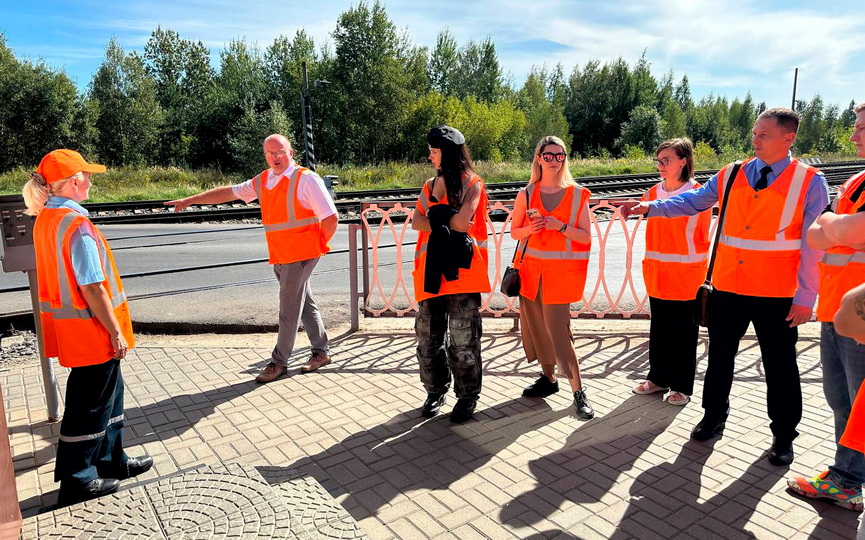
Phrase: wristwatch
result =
(564, 226)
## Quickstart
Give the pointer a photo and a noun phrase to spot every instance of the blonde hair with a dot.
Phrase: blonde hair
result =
(36, 191)
(564, 179)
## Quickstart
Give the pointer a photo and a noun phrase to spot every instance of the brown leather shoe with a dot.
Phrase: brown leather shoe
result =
(271, 373)
(315, 361)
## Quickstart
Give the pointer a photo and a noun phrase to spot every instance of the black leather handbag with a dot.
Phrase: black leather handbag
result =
(701, 316)
(511, 278)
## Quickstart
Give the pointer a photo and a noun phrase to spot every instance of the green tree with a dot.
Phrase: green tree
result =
(848, 116)
(480, 74)
(812, 125)
(283, 63)
(181, 71)
(429, 110)
(444, 64)
(38, 112)
(543, 117)
(642, 130)
(240, 91)
(129, 116)
(371, 58)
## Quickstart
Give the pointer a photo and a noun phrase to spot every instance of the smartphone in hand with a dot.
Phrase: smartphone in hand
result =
(533, 213)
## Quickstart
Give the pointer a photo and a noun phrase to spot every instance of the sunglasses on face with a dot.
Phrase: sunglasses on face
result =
(550, 156)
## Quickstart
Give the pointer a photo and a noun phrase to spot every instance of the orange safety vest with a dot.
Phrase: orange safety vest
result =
(293, 231)
(842, 268)
(677, 252)
(471, 280)
(760, 246)
(553, 258)
(70, 330)
(854, 434)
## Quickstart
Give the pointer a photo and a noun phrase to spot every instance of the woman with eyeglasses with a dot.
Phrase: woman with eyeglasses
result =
(674, 267)
(551, 221)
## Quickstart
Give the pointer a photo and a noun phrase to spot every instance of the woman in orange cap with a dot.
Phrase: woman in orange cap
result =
(85, 324)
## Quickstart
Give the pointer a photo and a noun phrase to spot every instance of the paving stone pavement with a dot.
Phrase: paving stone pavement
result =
(524, 468)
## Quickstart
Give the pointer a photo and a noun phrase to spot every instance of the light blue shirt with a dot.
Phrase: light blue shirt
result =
(86, 263)
(816, 199)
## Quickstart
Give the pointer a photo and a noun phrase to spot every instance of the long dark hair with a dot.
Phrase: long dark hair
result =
(456, 164)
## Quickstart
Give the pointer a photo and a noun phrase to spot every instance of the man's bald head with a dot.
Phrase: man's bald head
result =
(281, 139)
(277, 152)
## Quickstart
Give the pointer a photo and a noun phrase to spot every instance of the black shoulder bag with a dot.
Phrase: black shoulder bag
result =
(511, 278)
(702, 312)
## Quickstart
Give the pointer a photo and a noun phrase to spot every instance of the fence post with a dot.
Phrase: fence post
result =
(352, 277)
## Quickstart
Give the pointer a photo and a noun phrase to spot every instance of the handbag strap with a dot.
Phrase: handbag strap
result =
(721, 213)
(525, 242)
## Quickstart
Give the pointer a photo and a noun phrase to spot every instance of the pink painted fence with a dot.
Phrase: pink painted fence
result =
(614, 287)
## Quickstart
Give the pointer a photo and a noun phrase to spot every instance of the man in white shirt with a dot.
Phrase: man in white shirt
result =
(299, 220)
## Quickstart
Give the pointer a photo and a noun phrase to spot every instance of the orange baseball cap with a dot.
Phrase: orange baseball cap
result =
(63, 163)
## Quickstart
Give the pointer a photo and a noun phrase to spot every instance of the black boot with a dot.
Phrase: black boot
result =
(464, 409)
(581, 403)
(71, 493)
(432, 405)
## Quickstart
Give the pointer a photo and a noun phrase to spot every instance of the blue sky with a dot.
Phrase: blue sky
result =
(725, 47)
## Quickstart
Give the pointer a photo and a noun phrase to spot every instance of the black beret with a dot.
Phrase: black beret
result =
(440, 136)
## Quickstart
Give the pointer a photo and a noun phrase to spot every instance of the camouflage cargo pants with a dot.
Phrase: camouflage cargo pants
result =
(448, 329)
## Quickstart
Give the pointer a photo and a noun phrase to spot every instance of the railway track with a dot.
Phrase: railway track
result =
(348, 203)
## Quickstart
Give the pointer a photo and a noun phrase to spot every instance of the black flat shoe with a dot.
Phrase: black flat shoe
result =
(85, 492)
(542, 387)
(432, 405)
(781, 453)
(463, 410)
(135, 466)
(707, 429)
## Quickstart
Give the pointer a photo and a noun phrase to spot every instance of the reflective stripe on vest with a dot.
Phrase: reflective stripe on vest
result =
(557, 255)
(67, 310)
(676, 258)
(760, 245)
(841, 259)
(91, 436)
(291, 222)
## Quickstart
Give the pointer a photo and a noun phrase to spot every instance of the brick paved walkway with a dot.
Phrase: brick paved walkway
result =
(524, 469)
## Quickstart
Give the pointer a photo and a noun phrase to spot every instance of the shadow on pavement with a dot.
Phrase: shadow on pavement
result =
(408, 452)
(591, 460)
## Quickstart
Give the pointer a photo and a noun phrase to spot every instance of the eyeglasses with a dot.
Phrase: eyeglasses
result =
(550, 156)
(279, 154)
(662, 161)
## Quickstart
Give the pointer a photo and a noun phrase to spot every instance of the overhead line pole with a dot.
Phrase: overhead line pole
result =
(306, 113)
(795, 81)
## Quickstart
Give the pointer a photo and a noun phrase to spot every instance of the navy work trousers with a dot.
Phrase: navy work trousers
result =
(91, 434)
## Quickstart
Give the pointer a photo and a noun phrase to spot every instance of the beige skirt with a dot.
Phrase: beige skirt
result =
(546, 332)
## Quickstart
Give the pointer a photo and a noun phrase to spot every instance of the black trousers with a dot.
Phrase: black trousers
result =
(729, 316)
(448, 329)
(673, 337)
(91, 434)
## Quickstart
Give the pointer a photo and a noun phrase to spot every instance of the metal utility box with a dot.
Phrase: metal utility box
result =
(330, 182)
(17, 230)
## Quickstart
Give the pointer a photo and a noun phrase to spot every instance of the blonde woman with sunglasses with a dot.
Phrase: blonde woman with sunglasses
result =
(551, 221)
